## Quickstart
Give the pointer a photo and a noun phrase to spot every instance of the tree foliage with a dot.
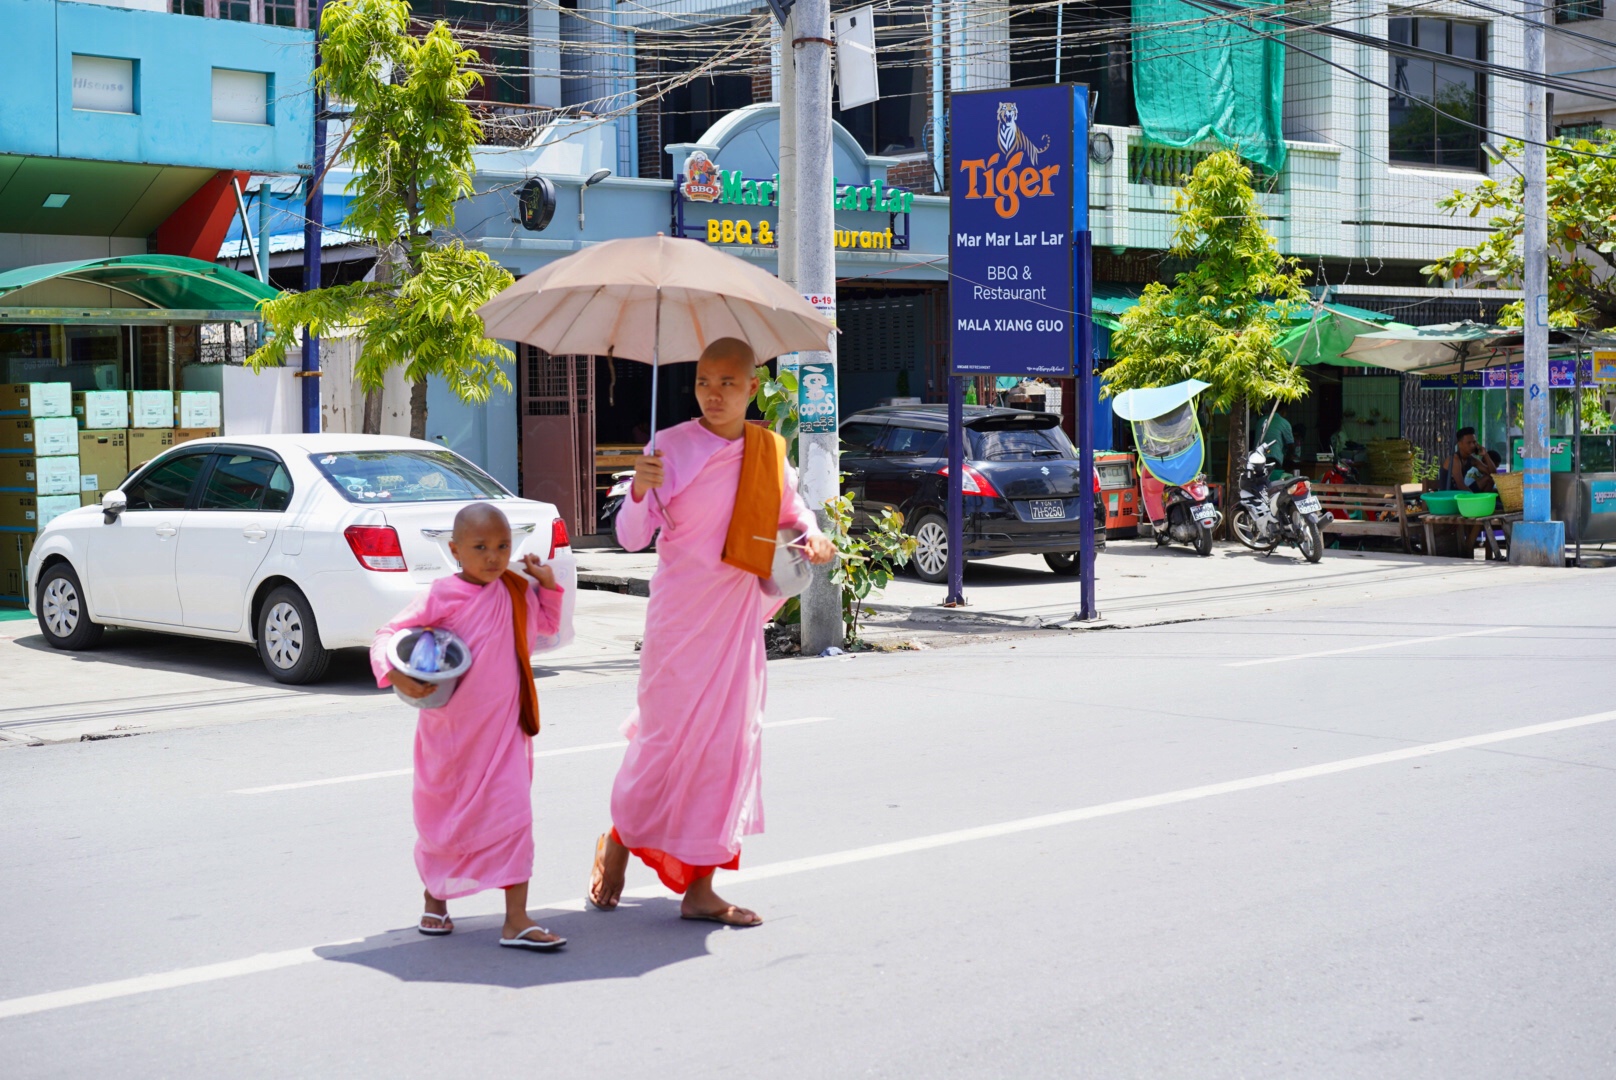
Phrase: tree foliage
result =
(1221, 318)
(1582, 232)
(409, 144)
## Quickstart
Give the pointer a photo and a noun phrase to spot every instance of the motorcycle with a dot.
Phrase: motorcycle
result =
(1172, 488)
(609, 506)
(1272, 512)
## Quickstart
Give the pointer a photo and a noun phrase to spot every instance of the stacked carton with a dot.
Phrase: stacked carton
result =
(39, 471)
(103, 417)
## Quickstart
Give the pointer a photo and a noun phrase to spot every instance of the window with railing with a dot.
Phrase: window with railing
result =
(1578, 10)
(1171, 166)
(293, 13)
(1587, 129)
(1437, 108)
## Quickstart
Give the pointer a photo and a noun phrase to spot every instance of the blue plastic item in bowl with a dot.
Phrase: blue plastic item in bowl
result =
(1477, 504)
(454, 658)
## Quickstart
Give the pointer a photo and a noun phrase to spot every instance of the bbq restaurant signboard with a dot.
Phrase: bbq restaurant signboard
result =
(1017, 194)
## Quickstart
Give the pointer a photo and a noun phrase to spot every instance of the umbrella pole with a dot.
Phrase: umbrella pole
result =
(656, 365)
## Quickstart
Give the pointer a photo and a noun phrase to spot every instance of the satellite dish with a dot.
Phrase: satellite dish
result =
(536, 204)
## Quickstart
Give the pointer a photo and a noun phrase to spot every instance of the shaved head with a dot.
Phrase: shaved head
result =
(478, 517)
(730, 352)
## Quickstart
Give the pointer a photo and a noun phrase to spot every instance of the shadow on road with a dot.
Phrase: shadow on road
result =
(637, 938)
(231, 661)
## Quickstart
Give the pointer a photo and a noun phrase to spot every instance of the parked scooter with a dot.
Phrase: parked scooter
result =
(621, 482)
(1273, 512)
(1174, 492)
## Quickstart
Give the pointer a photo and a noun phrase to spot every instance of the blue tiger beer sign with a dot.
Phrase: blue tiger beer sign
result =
(1018, 191)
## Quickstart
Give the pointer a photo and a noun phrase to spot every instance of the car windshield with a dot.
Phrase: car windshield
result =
(406, 476)
(1021, 444)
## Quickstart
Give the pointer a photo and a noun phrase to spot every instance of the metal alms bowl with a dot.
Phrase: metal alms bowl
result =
(456, 660)
(792, 571)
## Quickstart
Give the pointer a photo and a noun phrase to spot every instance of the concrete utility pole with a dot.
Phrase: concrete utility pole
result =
(786, 252)
(817, 453)
(1536, 541)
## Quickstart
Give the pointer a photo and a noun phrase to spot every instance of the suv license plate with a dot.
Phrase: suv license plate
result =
(1309, 505)
(1048, 509)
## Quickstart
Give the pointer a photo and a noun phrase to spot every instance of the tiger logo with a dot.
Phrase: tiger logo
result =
(1012, 138)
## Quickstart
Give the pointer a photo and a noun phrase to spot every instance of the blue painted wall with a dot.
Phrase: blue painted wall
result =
(176, 55)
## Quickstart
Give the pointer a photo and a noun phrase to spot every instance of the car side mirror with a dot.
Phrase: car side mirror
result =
(113, 503)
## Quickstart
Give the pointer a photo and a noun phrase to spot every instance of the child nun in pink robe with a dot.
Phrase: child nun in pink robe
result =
(689, 788)
(473, 760)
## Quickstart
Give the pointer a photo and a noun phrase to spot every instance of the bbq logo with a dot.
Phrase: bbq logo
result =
(701, 178)
(1013, 173)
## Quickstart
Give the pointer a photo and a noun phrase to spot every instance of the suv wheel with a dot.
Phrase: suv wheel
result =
(931, 554)
(288, 640)
(64, 616)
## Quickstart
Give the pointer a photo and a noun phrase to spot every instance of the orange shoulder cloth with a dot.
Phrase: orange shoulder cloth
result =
(757, 503)
(521, 596)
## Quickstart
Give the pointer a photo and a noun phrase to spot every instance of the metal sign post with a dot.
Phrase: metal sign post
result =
(1018, 234)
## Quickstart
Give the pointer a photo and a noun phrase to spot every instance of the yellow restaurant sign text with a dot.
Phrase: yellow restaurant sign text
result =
(731, 231)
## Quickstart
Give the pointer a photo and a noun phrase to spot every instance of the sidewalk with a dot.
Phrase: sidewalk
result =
(1137, 584)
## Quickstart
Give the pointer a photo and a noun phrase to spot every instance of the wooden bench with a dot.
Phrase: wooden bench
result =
(1383, 509)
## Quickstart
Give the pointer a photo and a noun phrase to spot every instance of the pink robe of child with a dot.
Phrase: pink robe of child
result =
(688, 789)
(473, 764)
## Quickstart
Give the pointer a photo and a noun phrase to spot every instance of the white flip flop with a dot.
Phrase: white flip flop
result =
(522, 941)
(444, 927)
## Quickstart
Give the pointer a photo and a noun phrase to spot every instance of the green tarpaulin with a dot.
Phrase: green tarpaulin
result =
(1199, 76)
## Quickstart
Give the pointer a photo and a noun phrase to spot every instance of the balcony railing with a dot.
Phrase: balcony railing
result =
(1169, 166)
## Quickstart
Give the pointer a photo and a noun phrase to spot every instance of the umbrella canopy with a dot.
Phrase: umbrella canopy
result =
(657, 299)
(1324, 338)
(1439, 349)
(1147, 404)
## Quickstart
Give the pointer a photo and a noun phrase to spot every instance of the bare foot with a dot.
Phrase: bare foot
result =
(701, 902)
(606, 877)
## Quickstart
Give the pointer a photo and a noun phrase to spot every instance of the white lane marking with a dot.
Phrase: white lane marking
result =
(1377, 645)
(616, 744)
(60, 999)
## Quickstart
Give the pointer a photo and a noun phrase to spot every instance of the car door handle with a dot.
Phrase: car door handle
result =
(166, 530)
(255, 532)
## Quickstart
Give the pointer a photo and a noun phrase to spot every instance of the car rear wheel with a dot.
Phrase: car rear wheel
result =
(1065, 563)
(289, 641)
(64, 617)
(931, 552)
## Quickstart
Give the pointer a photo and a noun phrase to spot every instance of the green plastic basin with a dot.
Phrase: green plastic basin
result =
(1472, 504)
(1441, 502)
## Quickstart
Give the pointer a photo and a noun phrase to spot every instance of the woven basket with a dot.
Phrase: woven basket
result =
(1509, 486)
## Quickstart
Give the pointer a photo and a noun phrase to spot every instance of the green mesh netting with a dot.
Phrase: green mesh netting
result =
(1199, 76)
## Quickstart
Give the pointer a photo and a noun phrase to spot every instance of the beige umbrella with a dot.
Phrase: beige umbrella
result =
(656, 299)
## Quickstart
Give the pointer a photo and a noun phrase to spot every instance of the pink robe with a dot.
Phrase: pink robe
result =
(689, 786)
(473, 764)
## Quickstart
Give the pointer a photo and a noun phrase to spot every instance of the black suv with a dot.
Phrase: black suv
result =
(1021, 482)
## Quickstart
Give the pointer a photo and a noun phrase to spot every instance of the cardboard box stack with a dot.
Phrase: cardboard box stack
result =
(103, 417)
(197, 415)
(39, 471)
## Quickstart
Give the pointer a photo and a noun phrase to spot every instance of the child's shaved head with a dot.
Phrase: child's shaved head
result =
(477, 517)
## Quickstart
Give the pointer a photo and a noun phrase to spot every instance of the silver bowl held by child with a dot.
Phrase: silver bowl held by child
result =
(455, 659)
(791, 569)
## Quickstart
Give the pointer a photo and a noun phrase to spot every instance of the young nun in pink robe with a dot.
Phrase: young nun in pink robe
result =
(689, 787)
(473, 759)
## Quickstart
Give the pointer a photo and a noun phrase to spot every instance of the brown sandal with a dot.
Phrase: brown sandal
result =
(597, 876)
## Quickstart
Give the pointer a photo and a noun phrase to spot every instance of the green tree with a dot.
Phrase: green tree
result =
(1582, 239)
(409, 144)
(1221, 318)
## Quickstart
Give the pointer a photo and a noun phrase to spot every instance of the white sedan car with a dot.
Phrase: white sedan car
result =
(298, 543)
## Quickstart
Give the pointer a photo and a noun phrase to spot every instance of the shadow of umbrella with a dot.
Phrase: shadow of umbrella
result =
(634, 940)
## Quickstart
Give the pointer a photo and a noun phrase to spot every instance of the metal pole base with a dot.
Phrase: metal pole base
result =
(1537, 543)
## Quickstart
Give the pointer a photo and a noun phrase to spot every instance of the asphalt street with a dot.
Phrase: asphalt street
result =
(1364, 840)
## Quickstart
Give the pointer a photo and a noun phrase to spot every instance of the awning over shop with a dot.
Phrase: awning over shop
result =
(169, 283)
(1450, 348)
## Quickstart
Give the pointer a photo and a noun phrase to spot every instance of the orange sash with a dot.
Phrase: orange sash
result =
(757, 503)
(528, 718)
